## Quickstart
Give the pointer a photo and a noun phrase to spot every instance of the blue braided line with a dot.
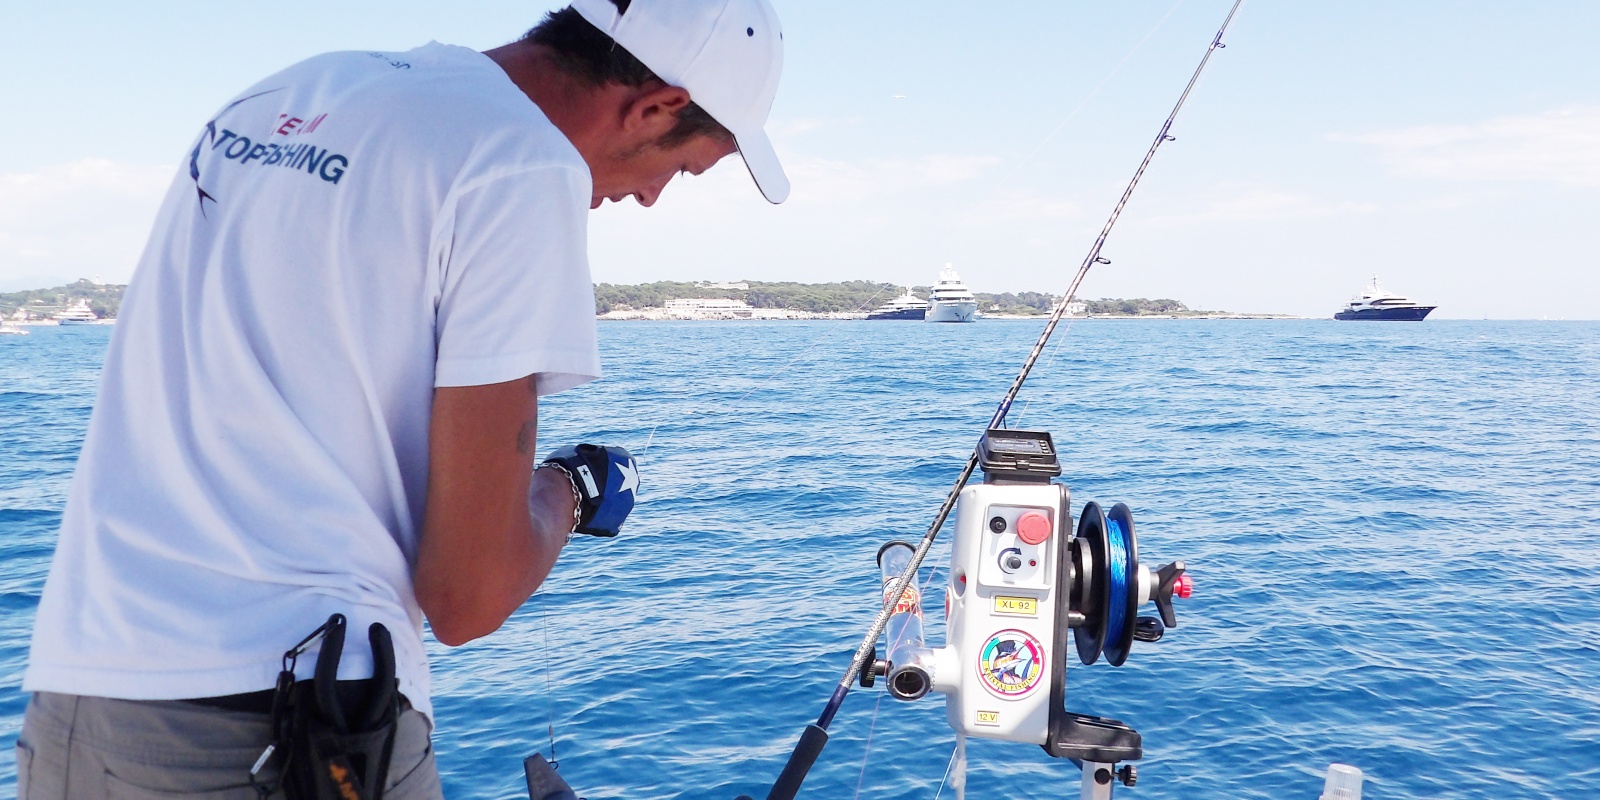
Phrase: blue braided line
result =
(1117, 567)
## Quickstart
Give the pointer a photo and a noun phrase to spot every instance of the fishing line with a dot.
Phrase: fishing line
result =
(947, 767)
(549, 694)
(543, 616)
(818, 341)
(1081, 104)
(815, 737)
(958, 768)
(873, 725)
(995, 189)
(868, 752)
(1054, 350)
(1117, 569)
(829, 331)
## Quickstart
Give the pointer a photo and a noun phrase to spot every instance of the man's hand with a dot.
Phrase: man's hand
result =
(492, 529)
(605, 479)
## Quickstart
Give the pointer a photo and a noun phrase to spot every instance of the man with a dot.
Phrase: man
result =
(321, 399)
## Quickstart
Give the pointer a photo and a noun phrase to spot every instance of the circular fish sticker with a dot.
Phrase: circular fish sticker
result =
(1011, 663)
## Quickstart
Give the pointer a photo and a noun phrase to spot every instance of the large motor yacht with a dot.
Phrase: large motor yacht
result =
(79, 314)
(951, 301)
(906, 306)
(1380, 304)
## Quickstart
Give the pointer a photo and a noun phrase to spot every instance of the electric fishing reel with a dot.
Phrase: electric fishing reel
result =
(1109, 586)
(1021, 580)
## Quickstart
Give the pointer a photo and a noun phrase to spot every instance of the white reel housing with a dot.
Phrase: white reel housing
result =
(1024, 592)
(1001, 605)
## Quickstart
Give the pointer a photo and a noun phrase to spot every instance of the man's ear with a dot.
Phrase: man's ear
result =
(654, 111)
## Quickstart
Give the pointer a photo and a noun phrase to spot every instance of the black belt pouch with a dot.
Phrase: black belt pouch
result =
(338, 736)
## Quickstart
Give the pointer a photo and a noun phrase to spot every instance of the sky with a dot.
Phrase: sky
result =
(1450, 147)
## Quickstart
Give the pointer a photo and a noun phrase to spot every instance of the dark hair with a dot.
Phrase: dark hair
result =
(588, 54)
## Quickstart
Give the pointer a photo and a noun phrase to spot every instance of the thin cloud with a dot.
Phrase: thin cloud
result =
(67, 221)
(822, 182)
(1025, 205)
(1256, 203)
(1561, 146)
(784, 129)
(830, 182)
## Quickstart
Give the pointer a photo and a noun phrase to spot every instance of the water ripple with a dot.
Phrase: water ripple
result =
(1391, 527)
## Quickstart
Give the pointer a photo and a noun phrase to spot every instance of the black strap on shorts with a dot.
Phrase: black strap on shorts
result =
(352, 694)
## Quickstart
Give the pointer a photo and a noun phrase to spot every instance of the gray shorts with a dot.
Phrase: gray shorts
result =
(94, 748)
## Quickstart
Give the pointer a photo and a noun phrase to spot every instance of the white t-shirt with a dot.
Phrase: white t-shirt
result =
(347, 235)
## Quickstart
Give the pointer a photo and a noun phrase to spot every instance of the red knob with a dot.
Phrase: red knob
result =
(1184, 587)
(1033, 527)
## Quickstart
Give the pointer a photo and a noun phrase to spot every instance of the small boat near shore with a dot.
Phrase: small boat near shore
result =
(1375, 303)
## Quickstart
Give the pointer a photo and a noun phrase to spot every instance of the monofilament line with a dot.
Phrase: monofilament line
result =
(831, 330)
(1081, 105)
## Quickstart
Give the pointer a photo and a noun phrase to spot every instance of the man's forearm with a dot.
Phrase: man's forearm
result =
(471, 594)
(494, 526)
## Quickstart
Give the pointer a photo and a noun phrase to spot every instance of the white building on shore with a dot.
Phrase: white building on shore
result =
(717, 308)
(708, 308)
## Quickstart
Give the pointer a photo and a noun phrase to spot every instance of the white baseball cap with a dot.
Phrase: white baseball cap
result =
(727, 54)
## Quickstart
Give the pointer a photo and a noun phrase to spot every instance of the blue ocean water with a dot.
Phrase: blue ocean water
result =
(1391, 528)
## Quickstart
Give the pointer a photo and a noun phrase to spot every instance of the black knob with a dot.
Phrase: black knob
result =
(1014, 562)
(1167, 583)
(1148, 629)
(1129, 775)
(997, 524)
(871, 670)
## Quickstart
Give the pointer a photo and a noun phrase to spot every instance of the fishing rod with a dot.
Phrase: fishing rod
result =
(815, 736)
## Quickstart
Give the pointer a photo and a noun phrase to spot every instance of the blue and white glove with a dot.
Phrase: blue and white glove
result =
(604, 479)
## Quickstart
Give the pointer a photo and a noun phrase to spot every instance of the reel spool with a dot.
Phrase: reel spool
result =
(1106, 590)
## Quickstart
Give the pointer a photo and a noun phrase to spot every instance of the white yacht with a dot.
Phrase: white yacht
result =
(12, 328)
(78, 314)
(1381, 304)
(951, 301)
(906, 306)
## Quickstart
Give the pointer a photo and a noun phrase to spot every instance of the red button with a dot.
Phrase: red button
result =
(1184, 587)
(1033, 527)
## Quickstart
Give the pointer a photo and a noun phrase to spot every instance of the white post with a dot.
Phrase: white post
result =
(1343, 783)
(1097, 781)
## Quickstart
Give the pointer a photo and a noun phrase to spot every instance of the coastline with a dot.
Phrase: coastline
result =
(53, 323)
(780, 314)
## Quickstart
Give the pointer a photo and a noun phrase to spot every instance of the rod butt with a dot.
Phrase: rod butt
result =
(794, 773)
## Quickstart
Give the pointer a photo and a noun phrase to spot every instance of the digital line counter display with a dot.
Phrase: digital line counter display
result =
(1018, 455)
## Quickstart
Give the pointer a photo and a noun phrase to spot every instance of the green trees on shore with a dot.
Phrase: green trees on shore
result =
(860, 296)
(104, 298)
(1136, 307)
(815, 298)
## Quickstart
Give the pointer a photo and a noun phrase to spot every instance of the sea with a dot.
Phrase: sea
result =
(1393, 529)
